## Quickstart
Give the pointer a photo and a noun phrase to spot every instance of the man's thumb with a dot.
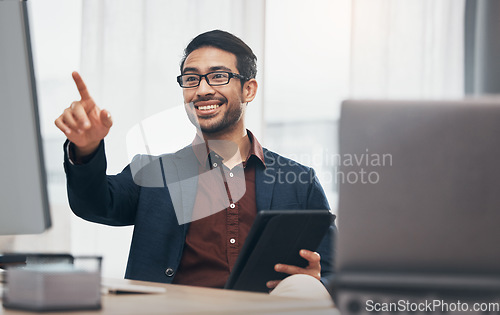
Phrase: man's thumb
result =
(106, 118)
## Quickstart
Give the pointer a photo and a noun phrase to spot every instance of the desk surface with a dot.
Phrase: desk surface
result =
(179, 299)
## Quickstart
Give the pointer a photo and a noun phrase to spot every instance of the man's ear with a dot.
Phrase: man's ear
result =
(249, 90)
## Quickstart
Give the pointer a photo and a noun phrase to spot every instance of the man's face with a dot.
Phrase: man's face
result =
(215, 108)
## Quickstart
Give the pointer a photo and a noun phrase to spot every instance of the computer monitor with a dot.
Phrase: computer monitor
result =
(24, 206)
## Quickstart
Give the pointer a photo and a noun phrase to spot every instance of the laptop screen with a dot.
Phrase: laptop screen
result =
(419, 187)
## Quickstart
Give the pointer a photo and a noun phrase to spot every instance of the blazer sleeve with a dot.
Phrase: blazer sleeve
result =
(97, 197)
(316, 199)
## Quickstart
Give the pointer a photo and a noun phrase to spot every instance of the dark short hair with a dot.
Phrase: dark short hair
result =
(246, 61)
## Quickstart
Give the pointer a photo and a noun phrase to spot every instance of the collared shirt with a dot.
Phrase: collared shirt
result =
(214, 241)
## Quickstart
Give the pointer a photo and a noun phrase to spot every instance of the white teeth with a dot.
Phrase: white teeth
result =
(208, 107)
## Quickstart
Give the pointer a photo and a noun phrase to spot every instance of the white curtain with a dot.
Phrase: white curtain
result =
(407, 49)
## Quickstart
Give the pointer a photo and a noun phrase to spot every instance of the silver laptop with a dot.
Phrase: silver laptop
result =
(419, 200)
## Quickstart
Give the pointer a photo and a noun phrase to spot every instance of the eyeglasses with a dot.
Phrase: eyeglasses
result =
(212, 78)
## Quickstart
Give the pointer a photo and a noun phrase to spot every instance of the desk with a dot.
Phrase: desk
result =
(179, 299)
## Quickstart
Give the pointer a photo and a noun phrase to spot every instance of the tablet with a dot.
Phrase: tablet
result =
(277, 236)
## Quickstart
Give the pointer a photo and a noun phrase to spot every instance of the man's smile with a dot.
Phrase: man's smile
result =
(207, 107)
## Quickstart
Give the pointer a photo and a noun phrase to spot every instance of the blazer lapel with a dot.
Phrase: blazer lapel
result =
(265, 178)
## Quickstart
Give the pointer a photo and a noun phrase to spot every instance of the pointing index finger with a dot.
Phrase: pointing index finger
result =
(82, 88)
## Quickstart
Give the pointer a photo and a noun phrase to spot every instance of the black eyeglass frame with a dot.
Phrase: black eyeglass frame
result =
(230, 76)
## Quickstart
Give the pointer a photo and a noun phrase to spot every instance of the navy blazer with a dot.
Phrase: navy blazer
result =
(158, 239)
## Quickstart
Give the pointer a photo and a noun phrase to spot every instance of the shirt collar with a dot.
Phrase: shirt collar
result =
(202, 152)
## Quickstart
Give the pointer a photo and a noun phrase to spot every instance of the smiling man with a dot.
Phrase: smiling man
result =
(183, 235)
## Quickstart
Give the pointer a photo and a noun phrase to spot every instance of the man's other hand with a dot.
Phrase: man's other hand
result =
(312, 269)
(83, 123)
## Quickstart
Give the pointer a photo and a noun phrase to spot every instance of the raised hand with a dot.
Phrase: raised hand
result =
(83, 123)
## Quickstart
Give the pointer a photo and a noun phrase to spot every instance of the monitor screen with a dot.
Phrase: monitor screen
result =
(24, 207)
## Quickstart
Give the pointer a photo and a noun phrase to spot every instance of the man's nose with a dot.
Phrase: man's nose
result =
(204, 88)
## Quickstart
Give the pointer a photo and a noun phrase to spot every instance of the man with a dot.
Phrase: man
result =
(218, 81)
